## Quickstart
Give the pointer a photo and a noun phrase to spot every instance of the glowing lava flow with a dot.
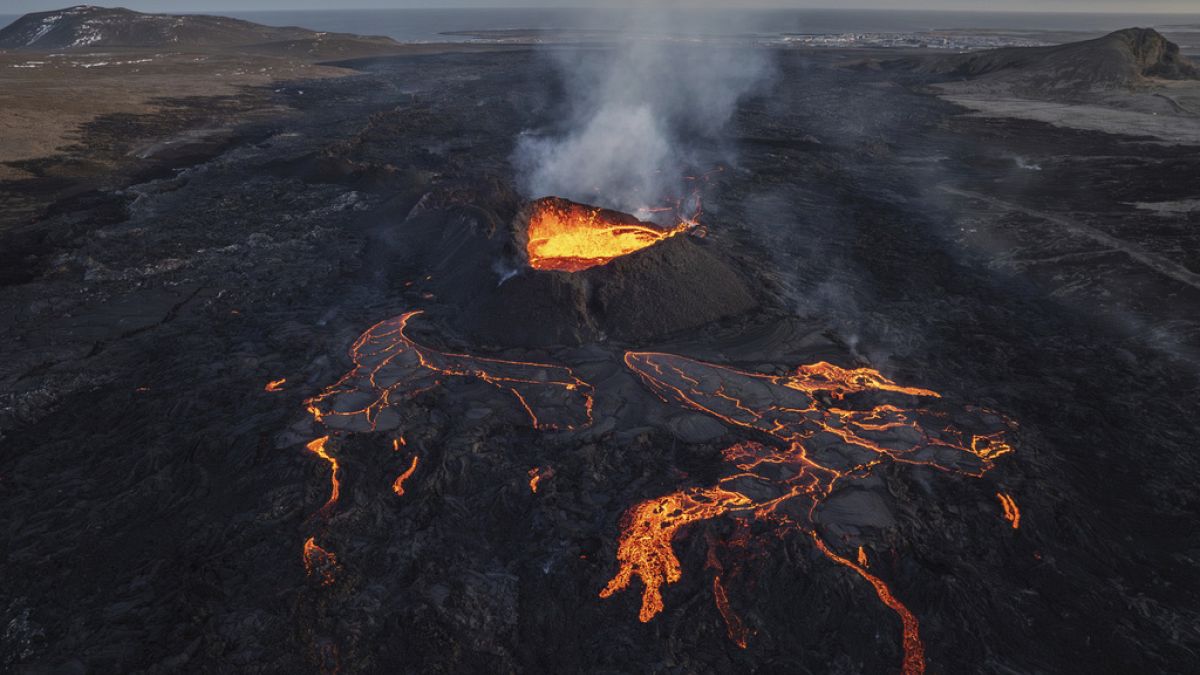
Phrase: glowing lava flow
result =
(319, 562)
(275, 385)
(398, 486)
(317, 447)
(389, 367)
(819, 446)
(1011, 513)
(570, 237)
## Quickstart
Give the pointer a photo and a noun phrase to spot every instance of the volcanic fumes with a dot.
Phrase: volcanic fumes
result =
(574, 294)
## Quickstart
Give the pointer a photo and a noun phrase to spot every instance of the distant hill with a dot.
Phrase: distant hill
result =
(91, 27)
(1123, 59)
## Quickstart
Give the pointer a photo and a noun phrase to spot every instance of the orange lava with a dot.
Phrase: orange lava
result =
(817, 447)
(317, 447)
(570, 237)
(398, 486)
(389, 366)
(319, 562)
(534, 479)
(862, 557)
(733, 623)
(1011, 513)
(914, 649)
(275, 385)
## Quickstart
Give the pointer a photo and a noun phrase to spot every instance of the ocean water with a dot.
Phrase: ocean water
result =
(431, 25)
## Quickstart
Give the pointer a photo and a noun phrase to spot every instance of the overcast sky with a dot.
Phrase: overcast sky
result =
(216, 6)
(1125, 6)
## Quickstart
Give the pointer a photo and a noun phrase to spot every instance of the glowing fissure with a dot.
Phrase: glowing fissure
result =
(569, 237)
(818, 446)
(733, 623)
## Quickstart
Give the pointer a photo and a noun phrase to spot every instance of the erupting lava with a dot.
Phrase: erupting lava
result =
(389, 367)
(826, 433)
(570, 237)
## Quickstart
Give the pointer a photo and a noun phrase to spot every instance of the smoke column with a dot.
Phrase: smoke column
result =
(644, 110)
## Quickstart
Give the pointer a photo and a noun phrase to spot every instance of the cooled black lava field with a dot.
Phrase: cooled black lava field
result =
(163, 509)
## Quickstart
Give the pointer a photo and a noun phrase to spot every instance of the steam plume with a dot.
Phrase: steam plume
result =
(642, 112)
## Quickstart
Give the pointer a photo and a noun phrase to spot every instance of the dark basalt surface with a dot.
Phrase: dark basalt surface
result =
(154, 499)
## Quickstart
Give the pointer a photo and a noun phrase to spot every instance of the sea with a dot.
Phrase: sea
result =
(448, 25)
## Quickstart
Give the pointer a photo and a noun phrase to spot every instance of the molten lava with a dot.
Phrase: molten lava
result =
(736, 628)
(819, 446)
(275, 385)
(319, 563)
(1011, 513)
(390, 368)
(317, 447)
(570, 237)
(398, 485)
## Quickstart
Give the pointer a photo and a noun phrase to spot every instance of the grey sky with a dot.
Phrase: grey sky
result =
(217, 6)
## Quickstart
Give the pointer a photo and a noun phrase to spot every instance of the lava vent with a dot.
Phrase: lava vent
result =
(566, 236)
(587, 273)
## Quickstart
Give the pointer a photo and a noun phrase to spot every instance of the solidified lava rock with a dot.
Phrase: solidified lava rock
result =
(672, 285)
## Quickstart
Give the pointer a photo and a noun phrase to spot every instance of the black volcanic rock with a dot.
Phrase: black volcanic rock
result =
(1119, 60)
(88, 26)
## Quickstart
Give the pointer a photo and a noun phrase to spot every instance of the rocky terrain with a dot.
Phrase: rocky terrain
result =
(1133, 81)
(91, 27)
(227, 443)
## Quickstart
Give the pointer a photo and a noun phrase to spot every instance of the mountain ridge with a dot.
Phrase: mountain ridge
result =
(1122, 59)
(94, 27)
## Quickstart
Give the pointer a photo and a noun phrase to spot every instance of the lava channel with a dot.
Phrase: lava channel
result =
(816, 447)
(568, 237)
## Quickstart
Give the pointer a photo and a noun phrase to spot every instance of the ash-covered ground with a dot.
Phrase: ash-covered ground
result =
(155, 499)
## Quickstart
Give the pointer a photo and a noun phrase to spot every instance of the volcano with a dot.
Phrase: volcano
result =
(584, 273)
(569, 237)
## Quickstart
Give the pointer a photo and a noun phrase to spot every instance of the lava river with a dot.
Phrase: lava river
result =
(827, 426)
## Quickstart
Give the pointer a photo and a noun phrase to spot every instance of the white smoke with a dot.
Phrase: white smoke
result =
(642, 112)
